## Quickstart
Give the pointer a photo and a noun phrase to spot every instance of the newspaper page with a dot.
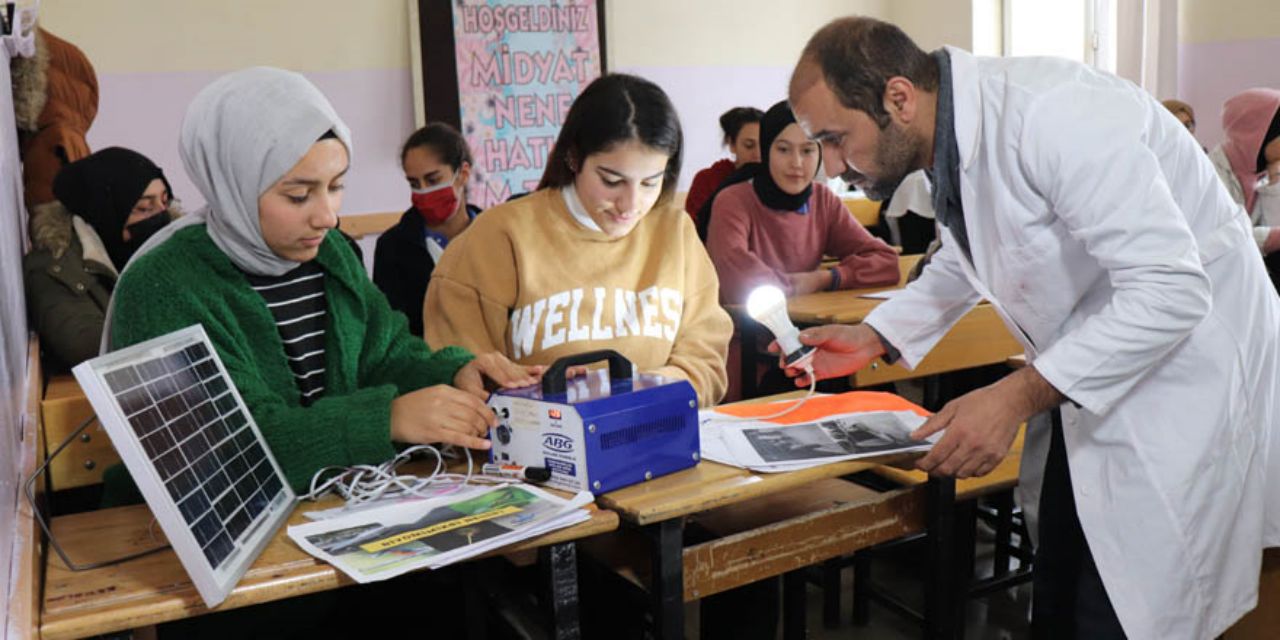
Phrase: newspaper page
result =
(764, 446)
(372, 545)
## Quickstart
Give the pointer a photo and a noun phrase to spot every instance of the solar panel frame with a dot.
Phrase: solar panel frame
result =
(170, 372)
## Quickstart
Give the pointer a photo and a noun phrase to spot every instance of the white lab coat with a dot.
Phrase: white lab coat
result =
(1106, 242)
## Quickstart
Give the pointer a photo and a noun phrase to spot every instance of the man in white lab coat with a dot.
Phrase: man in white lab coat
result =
(1094, 224)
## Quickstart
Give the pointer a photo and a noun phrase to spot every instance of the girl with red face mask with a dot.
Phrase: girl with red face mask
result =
(437, 165)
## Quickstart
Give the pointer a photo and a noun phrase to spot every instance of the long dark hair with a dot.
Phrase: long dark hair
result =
(443, 139)
(616, 108)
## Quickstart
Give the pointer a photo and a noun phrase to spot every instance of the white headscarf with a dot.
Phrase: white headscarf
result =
(241, 134)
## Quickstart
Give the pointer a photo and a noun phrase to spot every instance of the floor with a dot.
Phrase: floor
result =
(1004, 615)
(1001, 616)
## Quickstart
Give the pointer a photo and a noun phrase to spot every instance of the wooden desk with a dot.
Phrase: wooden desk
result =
(361, 224)
(979, 338)
(678, 574)
(63, 410)
(155, 588)
(1001, 478)
(864, 210)
(24, 595)
(819, 308)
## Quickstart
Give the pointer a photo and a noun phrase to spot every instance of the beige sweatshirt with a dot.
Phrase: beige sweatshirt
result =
(527, 280)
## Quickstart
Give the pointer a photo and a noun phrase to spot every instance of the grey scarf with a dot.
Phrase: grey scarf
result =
(241, 134)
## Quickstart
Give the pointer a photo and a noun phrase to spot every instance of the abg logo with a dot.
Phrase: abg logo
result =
(557, 442)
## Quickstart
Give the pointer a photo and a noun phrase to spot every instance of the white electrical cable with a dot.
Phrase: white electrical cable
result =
(364, 483)
(813, 387)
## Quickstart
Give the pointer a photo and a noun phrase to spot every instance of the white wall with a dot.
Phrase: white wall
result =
(1225, 47)
(152, 56)
(711, 55)
(13, 334)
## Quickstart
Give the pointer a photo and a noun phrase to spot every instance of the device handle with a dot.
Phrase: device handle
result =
(553, 381)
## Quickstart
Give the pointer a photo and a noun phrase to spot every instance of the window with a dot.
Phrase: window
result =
(1081, 30)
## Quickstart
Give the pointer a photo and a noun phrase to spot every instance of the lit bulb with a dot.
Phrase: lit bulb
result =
(768, 306)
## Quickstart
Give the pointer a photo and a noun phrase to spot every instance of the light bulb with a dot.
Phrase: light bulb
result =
(768, 306)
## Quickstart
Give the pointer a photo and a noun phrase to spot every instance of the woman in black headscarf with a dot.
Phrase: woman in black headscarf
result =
(108, 204)
(776, 229)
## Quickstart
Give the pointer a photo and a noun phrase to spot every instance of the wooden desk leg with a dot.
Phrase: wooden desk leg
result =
(966, 524)
(1004, 533)
(475, 601)
(831, 574)
(666, 592)
(944, 595)
(794, 590)
(559, 566)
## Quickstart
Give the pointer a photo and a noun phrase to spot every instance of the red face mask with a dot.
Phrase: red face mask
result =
(435, 204)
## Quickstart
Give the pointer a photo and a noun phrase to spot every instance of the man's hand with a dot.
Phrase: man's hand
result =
(497, 369)
(981, 425)
(840, 350)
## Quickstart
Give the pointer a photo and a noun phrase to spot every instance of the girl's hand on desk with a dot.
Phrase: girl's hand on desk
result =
(499, 370)
(809, 282)
(441, 414)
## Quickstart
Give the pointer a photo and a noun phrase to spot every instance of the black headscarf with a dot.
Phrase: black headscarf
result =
(1273, 132)
(102, 188)
(777, 118)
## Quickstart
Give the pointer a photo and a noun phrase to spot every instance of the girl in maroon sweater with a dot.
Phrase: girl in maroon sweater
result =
(741, 126)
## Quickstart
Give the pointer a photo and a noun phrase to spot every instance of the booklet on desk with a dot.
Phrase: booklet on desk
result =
(377, 544)
(836, 428)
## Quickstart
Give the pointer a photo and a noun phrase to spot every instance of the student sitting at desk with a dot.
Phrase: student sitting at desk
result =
(107, 205)
(1248, 162)
(327, 369)
(774, 224)
(437, 165)
(741, 127)
(597, 257)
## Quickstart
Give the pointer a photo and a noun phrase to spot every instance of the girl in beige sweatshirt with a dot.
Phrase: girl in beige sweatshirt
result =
(597, 258)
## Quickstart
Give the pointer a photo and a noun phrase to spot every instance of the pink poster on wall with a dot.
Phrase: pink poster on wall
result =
(520, 64)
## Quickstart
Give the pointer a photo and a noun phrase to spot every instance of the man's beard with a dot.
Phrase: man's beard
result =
(895, 156)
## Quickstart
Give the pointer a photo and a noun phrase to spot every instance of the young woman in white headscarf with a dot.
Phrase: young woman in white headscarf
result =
(330, 373)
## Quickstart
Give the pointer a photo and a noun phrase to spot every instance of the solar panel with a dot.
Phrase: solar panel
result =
(194, 451)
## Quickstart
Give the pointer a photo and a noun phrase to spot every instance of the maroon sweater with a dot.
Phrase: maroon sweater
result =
(751, 244)
(704, 185)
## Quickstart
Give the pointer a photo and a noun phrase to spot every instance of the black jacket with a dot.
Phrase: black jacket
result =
(402, 266)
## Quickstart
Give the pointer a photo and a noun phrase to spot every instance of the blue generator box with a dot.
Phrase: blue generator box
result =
(598, 431)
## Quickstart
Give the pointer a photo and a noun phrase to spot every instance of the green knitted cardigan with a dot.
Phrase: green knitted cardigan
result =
(371, 358)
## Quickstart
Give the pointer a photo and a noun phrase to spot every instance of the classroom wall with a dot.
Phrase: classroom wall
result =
(153, 56)
(1225, 46)
(13, 339)
(711, 55)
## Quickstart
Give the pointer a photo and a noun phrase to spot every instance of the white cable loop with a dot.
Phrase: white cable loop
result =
(365, 483)
(813, 387)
